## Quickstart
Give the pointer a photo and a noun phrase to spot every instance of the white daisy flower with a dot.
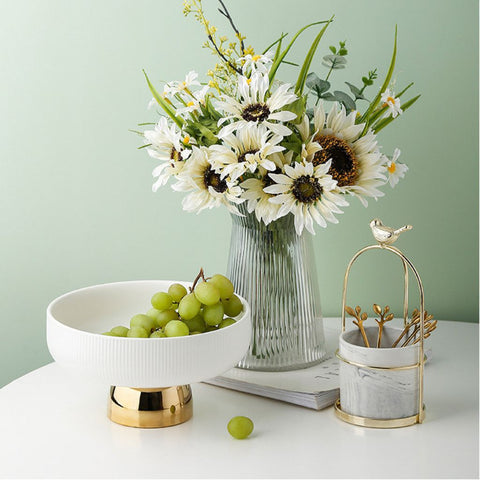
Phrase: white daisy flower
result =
(194, 101)
(308, 192)
(396, 170)
(256, 63)
(207, 189)
(153, 102)
(174, 87)
(393, 104)
(356, 160)
(253, 106)
(168, 145)
(258, 200)
(247, 150)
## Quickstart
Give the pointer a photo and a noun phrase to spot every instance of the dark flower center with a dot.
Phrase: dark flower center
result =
(306, 189)
(212, 179)
(241, 158)
(344, 167)
(256, 112)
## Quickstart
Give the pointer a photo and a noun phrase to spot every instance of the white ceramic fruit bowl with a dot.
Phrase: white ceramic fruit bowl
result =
(76, 320)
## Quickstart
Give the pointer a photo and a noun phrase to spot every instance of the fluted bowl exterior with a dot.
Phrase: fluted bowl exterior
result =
(76, 321)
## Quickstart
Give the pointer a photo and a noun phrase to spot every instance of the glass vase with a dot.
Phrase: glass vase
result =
(274, 269)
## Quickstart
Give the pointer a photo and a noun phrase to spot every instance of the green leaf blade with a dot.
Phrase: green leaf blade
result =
(281, 56)
(161, 101)
(386, 82)
(308, 60)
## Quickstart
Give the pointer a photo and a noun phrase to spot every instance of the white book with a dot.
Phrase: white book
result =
(315, 387)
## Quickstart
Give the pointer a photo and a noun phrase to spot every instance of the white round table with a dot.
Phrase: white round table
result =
(52, 426)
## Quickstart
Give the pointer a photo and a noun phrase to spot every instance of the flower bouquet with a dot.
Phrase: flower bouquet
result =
(282, 159)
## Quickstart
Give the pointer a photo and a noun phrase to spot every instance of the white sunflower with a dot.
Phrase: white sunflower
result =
(356, 162)
(255, 106)
(246, 150)
(258, 200)
(167, 144)
(396, 170)
(207, 189)
(308, 192)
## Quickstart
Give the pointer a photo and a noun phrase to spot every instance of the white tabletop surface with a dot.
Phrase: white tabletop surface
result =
(52, 426)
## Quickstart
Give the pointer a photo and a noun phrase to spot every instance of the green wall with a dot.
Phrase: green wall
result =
(76, 202)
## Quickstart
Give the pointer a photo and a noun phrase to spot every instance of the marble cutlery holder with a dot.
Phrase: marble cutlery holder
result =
(378, 383)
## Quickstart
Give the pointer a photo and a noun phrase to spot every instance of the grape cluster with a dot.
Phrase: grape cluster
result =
(211, 304)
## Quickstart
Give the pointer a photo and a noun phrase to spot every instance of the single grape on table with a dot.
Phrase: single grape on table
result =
(240, 427)
(208, 305)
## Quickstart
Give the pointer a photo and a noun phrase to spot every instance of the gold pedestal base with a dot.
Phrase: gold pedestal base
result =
(376, 423)
(150, 407)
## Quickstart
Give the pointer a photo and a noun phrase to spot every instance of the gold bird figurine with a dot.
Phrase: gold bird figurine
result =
(386, 235)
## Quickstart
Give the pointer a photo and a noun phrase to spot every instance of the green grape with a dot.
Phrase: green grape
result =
(109, 334)
(144, 321)
(189, 307)
(232, 306)
(195, 333)
(177, 291)
(207, 293)
(213, 314)
(161, 301)
(211, 328)
(226, 322)
(119, 331)
(240, 427)
(137, 332)
(196, 324)
(224, 285)
(152, 313)
(158, 334)
(176, 328)
(164, 317)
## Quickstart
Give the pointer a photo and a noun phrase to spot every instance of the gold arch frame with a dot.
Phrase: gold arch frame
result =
(396, 422)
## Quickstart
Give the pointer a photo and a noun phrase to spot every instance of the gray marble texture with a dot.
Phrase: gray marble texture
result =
(378, 394)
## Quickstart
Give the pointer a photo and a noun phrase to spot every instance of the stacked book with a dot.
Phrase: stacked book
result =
(315, 387)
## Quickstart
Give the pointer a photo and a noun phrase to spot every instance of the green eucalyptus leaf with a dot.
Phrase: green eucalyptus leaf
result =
(328, 97)
(334, 61)
(355, 91)
(343, 52)
(316, 84)
(332, 49)
(346, 100)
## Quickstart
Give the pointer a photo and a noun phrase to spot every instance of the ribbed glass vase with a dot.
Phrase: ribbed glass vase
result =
(274, 270)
